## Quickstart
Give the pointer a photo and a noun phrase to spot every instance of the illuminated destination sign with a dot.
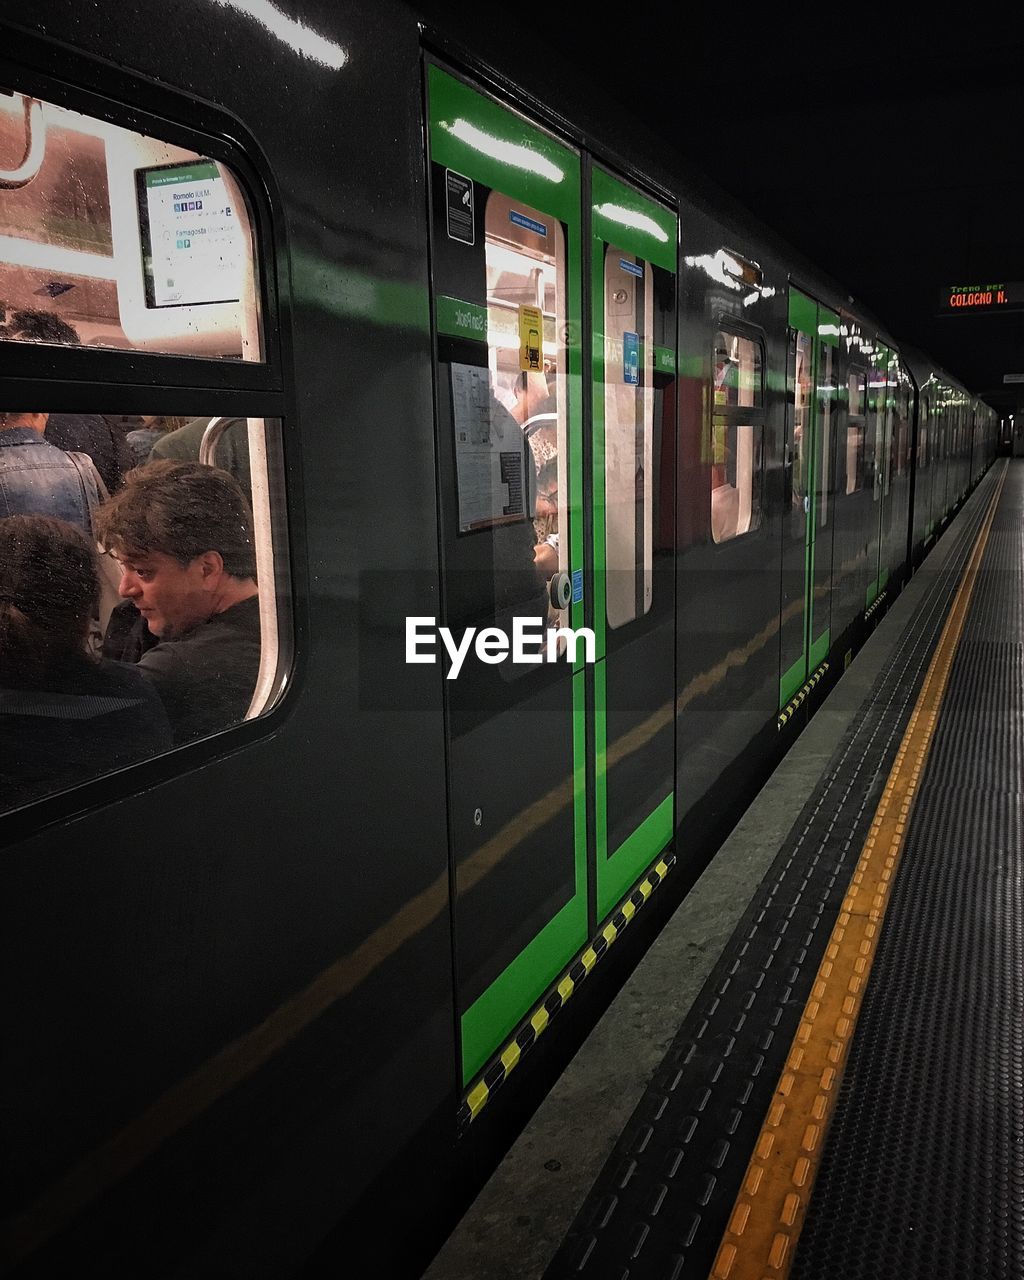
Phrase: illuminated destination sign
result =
(962, 299)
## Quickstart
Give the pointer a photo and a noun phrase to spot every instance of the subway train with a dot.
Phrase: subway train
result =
(277, 994)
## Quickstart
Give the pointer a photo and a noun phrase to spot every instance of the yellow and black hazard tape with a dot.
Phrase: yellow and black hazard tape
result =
(500, 1068)
(878, 601)
(790, 709)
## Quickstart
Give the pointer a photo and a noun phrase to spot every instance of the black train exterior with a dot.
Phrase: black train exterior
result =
(235, 976)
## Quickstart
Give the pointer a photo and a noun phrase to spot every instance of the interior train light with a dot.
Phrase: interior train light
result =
(743, 269)
(301, 39)
(48, 257)
(511, 153)
(630, 218)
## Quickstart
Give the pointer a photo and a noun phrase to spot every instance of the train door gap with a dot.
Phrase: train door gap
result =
(807, 531)
(443, 515)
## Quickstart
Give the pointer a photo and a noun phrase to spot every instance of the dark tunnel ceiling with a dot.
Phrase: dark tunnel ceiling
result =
(889, 152)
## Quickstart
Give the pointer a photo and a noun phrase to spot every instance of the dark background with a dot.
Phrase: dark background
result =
(887, 147)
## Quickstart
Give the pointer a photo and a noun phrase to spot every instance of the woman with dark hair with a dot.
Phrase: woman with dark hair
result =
(64, 715)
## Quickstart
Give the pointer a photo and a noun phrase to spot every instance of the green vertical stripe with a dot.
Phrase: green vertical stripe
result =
(803, 312)
(631, 221)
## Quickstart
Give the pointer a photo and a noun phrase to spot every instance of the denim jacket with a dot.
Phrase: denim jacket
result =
(38, 479)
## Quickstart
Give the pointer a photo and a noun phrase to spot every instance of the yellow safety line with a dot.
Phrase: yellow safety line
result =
(760, 1240)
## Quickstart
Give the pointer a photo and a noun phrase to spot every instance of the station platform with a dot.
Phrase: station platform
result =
(817, 1070)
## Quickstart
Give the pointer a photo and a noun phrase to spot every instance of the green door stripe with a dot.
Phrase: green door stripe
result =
(481, 139)
(634, 855)
(819, 650)
(459, 319)
(625, 218)
(486, 142)
(803, 312)
(792, 680)
(600, 769)
(494, 1014)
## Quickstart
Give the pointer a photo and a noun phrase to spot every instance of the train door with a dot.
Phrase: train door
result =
(506, 253)
(633, 268)
(805, 614)
(880, 402)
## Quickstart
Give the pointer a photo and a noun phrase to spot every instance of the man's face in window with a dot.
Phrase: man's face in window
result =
(172, 597)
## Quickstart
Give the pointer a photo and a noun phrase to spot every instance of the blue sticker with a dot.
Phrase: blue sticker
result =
(631, 358)
(631, 267)
(521, 220)
(577, 585)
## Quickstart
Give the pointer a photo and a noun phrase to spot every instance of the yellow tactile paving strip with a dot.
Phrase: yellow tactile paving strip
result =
(765, 1224)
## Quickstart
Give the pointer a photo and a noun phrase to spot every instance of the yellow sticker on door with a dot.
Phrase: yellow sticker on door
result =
(531, 329)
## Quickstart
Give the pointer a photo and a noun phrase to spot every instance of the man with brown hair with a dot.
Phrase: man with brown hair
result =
(183, 534)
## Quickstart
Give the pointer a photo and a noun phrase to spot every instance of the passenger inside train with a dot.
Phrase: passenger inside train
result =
(65, 715)
(37, 478)
(183, 535)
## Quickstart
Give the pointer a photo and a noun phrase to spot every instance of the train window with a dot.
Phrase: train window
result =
(902, 430)
(881, 417)
(737, 435)
(142, 616)
(113, 238)
(826, 396)
(629, 434)
(922, 433)
(525, 256)
(855, 429)
(800, 367)
(738, 372)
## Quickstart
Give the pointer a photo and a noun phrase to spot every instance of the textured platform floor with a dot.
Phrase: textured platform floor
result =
(923, 1170)
(660, 1206)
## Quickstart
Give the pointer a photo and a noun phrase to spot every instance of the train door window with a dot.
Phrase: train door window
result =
(874, 435)
(856, 429)
(886, 434)
(525, 257)
(737, 435)
(801, 355)
(628, 434)
(143, 558)
(826, 396)
(922, 433)
(114, 238)
(902, 429)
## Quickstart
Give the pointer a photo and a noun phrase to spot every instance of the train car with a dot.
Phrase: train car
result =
(473, 355)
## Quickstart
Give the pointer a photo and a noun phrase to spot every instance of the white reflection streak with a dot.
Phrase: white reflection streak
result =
(301, 39)
(512, 153)
(714, 266)
(49, 257)
(630, 218)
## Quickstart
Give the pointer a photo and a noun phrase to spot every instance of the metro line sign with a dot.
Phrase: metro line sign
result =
(965, 299)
